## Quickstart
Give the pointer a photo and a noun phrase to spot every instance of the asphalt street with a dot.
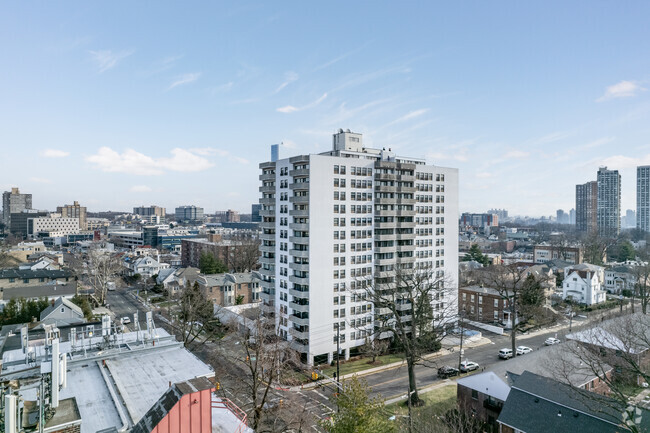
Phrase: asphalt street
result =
(122, 304)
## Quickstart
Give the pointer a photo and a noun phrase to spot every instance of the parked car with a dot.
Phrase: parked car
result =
(126, 320)
(466, 366)
(551, 341)
(522, 350)
(447, 371)
(505, 353)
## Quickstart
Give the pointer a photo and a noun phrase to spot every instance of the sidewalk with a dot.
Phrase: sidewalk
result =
(442, 352)
(440, 384)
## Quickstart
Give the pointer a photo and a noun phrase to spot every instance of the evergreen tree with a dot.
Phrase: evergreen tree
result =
(475, 254)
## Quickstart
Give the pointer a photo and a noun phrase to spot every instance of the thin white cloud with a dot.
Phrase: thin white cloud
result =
(54, 153)
(107, 59)
(623, 89)
(140, 188)
(408, 116)
(221, 88)
(292, 109)
(289, 78)
(181, 80)
(212, 151)
(516, 154)
(620, 162)
(133, 162)
(551, 138)
(40, 180)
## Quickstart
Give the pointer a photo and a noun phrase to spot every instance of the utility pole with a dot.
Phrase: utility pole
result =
(460, 350)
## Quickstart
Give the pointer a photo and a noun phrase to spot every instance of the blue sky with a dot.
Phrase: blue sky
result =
(170, 103)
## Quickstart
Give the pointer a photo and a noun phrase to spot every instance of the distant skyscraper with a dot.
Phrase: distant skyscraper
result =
(14, 202)
(148, 211)
(586, 207)
(630, 219)
(643, 197)
(560, 216)
(255, 213)
(275, 152)
(572, 216)
(609, 202)
(189, 214)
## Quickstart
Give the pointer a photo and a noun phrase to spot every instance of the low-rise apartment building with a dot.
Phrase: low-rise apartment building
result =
(483, 304)
(226, 289)
(543, 253)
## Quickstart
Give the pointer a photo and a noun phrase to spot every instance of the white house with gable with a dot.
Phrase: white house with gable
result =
(584, 283)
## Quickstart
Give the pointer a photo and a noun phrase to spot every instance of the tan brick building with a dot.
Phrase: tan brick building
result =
(224, 289)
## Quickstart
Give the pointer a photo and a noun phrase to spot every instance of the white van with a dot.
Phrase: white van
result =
(505, 353)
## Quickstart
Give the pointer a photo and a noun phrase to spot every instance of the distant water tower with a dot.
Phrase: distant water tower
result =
(275, 152)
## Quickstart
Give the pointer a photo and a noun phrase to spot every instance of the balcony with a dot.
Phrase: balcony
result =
(405, 248)
(385, 188)
(267, 236)
(304, 240)
(299, 320)
(299, 186)
(299, 347)
(403, 212)
(298, 280)
(302, 335)
(268, 297)
(299, 227)
(267, 212)
(385, 237)
(384, 212)
(301, 199)
(384, 176)
(267, 248)
(303, 172)
(267, 188)
(296, 212)
(389, 249)
(299, 266)
(268, 308)
(268, 176)
(299, 253)
(387, 261)
(267, 225)
(302, 308)
(267, 260)
(267, 200)
(304, 294)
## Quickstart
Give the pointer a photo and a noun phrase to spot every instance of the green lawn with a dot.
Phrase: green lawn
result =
(436, 401)
(362, 364)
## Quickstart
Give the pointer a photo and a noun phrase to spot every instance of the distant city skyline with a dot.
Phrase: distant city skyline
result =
(177, 105)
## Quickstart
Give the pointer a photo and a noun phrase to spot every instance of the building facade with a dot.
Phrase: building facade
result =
(151, 211)
(609, 202)
(544, 253)
(231, 289)
(479, 220)
(336, 223)
(584, 284)
(52, 225)
(643, 198)
(74, 211)
(587, 207)
(189, 214)
(484, 304)
(14, 202)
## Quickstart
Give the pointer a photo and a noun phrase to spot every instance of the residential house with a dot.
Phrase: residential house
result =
(482, 395)
(484, 304)
(145, 266)
(224, 289)
(43, 263)
(619, 278)
(584, 283)
(62, 311)
(174, 279)
(538, 404)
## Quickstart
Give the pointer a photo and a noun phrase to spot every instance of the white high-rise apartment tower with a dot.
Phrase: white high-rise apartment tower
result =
(643, 198)
(333, 221)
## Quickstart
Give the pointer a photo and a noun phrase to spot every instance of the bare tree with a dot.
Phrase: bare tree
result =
(195, 319)
(413, 307)
(616, 352)
(519, 290)
(374, 348)
(456, 420)
(261, 359)
(641, 275)
(103, 267)
(243, 255)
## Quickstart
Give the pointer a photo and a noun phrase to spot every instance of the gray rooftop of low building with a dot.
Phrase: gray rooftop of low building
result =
(537, 404)
(38, 273)
(227, 279)
(45, 290)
